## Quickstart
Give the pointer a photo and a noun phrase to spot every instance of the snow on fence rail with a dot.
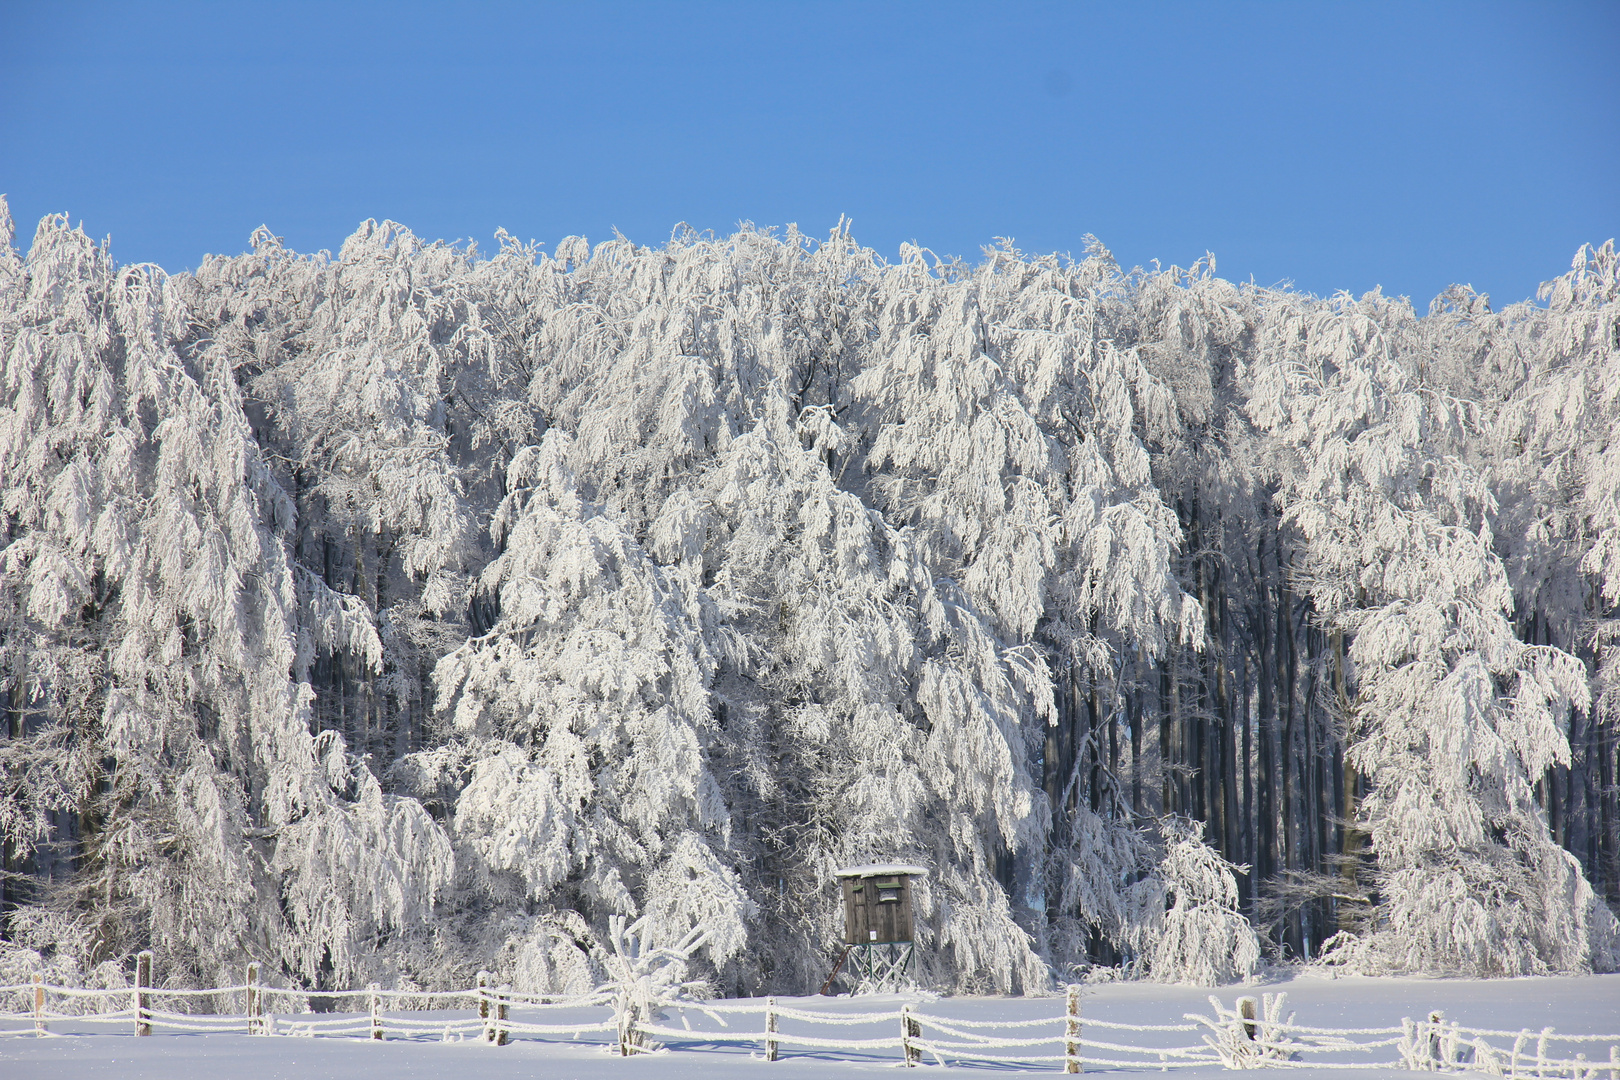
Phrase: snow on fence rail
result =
(1250, 1034)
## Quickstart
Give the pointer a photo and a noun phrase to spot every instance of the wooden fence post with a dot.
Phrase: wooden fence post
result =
(255, 1000)
(770, 1028)
(376, 1013)
(143, 979)
(1071, 1032)
(1246, 1009)
(629, 1037)
(1436, 1018)
(39, 1003)
(483, 1005)
(500, 1013)
(909, 1029)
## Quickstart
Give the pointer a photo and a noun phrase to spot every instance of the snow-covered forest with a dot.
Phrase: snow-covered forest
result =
(412, 611)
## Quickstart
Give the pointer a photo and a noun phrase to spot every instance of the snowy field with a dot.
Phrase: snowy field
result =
(75, 1049)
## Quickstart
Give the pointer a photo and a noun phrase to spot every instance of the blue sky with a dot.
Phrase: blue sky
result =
(1336, 145)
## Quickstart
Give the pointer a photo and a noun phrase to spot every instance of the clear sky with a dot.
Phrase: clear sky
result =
(1336, 145)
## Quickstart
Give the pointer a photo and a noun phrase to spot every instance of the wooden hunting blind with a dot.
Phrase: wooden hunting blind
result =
(878, 929)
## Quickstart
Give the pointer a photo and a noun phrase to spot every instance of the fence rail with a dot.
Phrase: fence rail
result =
(1249, 1034)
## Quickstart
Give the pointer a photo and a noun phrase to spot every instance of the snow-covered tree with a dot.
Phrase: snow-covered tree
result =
(587, 715)
(1456, 718)
(893, 716)
(147, 539)
(369, 379)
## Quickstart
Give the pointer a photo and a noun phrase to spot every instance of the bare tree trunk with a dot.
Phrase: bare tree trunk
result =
(1351, 839)
(1608, 815)
(1290, 817)
(1265, 856)
(1248, 799)
(1134, 704)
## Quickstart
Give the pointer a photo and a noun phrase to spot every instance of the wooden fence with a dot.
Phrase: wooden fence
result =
(1249, 1034)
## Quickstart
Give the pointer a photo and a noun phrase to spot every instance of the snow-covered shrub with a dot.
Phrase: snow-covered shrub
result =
(646, 977)
(1250, 1038)
(1188, 928)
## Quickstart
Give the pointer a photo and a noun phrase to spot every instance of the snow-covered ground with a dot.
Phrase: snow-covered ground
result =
(1570, 1005)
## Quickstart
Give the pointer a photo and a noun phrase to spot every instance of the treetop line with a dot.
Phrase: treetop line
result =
(408, 613)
